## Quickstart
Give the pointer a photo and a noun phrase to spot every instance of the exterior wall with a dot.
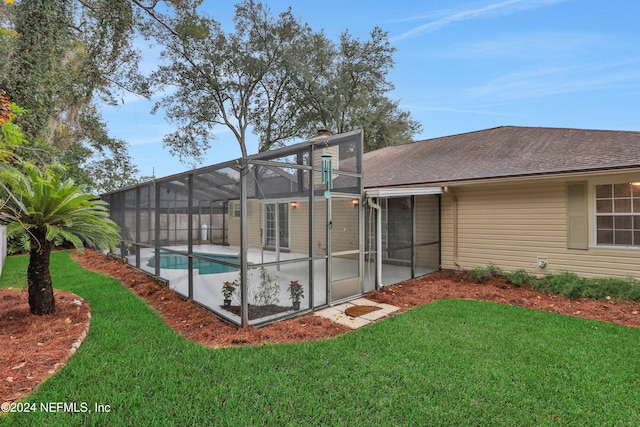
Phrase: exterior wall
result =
(345, 222)
(512, 224)
(299, 227)
(345, 219)
(320, 227)
(254, 223)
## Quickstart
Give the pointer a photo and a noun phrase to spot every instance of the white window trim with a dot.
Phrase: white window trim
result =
(591, 195)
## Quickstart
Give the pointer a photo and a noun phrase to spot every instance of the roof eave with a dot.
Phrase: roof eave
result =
(564, 174)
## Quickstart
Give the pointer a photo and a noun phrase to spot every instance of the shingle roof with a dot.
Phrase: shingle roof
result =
(507, 151)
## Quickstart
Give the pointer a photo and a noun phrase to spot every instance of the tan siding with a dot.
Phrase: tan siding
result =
(299, 228)
(511, 225)
(254, 223)
(234, 225)
(319, 227)
(345, 225)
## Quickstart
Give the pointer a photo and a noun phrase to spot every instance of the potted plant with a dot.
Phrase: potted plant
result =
(295, 293)
(228, 289)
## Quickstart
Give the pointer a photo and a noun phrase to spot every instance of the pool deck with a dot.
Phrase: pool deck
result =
(207, 286)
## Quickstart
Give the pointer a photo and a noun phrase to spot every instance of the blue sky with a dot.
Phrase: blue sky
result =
(460, 66)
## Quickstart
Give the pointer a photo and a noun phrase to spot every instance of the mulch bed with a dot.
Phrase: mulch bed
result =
(35, 347)
(450, 284)
(199, 324)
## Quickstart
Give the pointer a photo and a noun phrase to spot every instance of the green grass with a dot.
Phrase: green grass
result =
(453, 362)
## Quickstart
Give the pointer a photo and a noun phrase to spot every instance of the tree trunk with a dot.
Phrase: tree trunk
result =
(38, 275)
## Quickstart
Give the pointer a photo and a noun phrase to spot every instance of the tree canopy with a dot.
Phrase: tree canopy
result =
(274, 76)
(41, 210)
(60, 58)
(11, 137)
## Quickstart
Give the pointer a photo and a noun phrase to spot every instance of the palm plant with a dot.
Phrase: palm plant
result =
(37, 204)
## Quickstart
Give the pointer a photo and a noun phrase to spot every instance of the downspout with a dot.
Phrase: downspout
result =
(454, 198)
(377, 207)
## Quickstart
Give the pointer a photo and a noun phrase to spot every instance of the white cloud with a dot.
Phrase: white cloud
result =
(446, 19)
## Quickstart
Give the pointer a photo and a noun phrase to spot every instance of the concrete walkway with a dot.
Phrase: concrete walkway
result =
(337, 313)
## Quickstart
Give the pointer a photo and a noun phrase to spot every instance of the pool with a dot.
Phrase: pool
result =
(181, 262)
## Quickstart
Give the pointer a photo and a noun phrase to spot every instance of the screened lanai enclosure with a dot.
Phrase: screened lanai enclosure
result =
(272, 235)
(269, 229)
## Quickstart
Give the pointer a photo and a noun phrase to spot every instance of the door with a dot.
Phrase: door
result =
(344, 255)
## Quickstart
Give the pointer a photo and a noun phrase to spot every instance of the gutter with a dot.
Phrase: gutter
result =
(377, 207)
(454, 198)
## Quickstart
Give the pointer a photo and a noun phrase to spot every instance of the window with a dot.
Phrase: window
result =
(236, 209)
(618, 215)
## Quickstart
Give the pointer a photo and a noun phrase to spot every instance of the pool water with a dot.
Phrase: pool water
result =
(181, 262)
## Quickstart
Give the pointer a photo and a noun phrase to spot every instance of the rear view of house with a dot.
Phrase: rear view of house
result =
(342, 223)
(539, 199)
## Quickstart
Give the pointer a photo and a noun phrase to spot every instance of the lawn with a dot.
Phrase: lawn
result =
(454, 362)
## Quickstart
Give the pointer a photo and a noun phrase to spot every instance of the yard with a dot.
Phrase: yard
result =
(455, 362)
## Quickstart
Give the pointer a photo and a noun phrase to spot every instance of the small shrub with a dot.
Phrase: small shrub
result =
(625, 289)
(567, 284)
(482, 274)
(601, 288)
(477, 275)
(494, 270)
(18, 245)
(571, 290)
(634, 292)
(267, 291)
(520, 278)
